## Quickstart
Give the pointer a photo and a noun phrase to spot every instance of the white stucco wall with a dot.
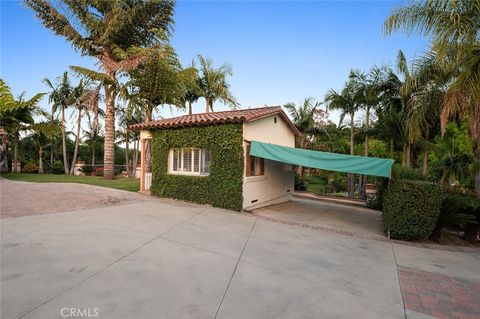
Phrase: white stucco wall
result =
(276, 185)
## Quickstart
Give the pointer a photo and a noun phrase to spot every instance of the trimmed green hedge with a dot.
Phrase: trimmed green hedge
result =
(223, 186)
(411, 209)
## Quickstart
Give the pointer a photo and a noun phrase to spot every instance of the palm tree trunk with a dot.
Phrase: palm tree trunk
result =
(391, 148)
(189, 107)
(301, 170)
(477, 178)
(126, 152)
(95, 119)
(93, 156)
(425, 162)
(15, 155)
(52, 150)
(363, 178)
(77, 141)
(109, 143)
(350, 180)
(407, 155)
(40, 161)
(64, 142)
(3, 154)
(207, 105)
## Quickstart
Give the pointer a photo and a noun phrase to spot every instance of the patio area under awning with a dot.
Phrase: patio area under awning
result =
(323, 160)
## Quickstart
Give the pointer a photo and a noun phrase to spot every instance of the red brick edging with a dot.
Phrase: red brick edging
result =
(439, 295)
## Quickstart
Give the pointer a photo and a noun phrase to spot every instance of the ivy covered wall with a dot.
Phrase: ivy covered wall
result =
(223, 186)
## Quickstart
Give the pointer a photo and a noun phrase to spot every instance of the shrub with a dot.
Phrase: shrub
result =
(99, 173)
(317, 179)
(88, 169)
(299, 184)
(456, 210)
(414, 174)
(460, 207)
(411, 209)
(398, 173)
(57, 168)
(329, 189)
(340, 183)
(30, 168)
(374, 202)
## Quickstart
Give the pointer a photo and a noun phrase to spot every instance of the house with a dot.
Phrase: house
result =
(204, 158)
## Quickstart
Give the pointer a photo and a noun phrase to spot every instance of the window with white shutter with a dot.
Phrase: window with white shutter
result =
(189, 161)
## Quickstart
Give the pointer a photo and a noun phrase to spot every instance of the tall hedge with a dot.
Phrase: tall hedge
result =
(411, 209)
(223, 186)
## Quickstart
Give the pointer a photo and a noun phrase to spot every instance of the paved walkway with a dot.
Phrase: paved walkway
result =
(25, 199)
(167, 259)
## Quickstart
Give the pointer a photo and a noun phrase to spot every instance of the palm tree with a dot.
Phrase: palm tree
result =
(41, 136)
(368, 90)
(86, 99)
(156, 81)
(117, 33)
(93, 138)
(390, 126)
(347, 102)
(454, 29)
(131, 113)
(304, 119)
(52, 119)
(123, 137)
(61, 97)
(406, 90)
(214, 85)
(17, 114)
(191, 88)
(424, 108)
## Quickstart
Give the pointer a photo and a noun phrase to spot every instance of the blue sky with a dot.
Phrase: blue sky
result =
(280, 51)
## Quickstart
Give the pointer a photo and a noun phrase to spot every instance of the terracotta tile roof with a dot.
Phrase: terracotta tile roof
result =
(212, 118)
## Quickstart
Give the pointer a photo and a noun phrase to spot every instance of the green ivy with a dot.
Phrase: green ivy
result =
(223, 186)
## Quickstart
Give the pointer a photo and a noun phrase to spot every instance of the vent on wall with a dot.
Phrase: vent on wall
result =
(254, 201)
(275, 119)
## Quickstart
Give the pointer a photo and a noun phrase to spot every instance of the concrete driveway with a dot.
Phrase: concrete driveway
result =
(154, 258)
(350, 218)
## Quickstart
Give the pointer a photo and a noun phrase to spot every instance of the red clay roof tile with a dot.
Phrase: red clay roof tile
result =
(234, 116)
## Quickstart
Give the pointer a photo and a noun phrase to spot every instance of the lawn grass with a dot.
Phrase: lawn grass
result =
(123, 183)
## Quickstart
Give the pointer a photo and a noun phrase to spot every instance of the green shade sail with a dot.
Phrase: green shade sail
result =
(323, 160)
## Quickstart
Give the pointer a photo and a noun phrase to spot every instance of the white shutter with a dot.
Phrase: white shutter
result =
(205, 161)
(176, 160)
(187, 160)
(196, 160)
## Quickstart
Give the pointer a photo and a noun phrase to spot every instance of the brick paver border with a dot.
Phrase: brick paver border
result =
(438, 295)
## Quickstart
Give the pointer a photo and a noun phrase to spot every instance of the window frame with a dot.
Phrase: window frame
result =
(182, 152)
(254, 166)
